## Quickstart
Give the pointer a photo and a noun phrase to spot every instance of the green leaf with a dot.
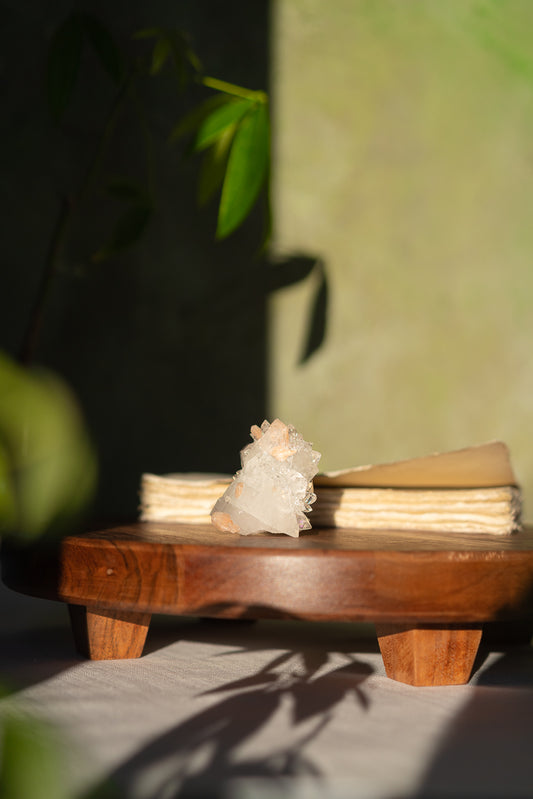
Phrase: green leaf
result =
(194, 118)
(127, 230)
(162, 50)
(51, 463)
(182, 50)
(31, 764)
(104, 46)
(213, 166)
(173, 43)
(63, 64)
(317, 328)
(247, 169)
(219, 120)
(8, 513)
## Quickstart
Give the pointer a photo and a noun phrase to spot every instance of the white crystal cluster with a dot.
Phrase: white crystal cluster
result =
(273, 491)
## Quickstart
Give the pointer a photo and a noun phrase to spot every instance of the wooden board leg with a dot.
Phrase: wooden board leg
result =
(441, 654)
(101, 634)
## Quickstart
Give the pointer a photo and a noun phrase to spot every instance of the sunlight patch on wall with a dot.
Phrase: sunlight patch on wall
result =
(402, 156)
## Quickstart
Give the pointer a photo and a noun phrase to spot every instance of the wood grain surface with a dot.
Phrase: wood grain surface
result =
(334, 574)
(428, 594)
(101, 634)
(429, 655)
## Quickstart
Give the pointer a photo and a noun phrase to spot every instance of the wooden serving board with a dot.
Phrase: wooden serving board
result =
(428, 594)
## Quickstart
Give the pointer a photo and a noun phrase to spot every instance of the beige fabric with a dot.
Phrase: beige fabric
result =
(272, 709)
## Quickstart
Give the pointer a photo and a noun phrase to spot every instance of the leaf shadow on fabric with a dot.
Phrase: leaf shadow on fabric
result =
(208, 751)
(262, 633)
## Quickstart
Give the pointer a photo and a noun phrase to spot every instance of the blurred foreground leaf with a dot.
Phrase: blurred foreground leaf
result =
(7, 493)
(30, 761)
(48, 463)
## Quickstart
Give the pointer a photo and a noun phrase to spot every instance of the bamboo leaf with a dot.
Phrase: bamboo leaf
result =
(194, 118)
(182, 50)
(172, 43)
(162, 50)
(247, 168)
(219, 120)
(104, 47)
(214, 166)
(63, 65)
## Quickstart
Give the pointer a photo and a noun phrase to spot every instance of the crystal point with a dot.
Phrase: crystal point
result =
(273, 490)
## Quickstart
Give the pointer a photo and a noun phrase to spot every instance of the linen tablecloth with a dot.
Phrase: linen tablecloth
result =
(265, 709)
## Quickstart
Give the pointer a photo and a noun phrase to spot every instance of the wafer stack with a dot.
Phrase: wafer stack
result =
(472, 490)
(180, 497)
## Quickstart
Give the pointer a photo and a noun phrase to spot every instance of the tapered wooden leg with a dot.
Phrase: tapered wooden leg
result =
(417, 654)
(101, 634)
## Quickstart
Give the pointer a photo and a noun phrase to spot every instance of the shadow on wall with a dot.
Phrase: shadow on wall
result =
(166, 344)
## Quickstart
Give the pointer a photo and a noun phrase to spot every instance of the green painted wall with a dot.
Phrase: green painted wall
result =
(404, 157)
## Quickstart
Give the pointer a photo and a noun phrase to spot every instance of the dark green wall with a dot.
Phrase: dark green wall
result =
(166, 344)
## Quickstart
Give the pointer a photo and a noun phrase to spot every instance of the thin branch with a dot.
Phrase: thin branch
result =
(31, 334)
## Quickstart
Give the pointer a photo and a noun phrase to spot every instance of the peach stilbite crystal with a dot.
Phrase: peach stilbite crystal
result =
(273, 490)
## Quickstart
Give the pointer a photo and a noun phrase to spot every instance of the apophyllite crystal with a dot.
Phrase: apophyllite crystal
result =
(273, 491)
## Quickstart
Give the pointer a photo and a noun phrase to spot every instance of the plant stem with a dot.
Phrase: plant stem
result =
(31, 334)
(231, 88)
